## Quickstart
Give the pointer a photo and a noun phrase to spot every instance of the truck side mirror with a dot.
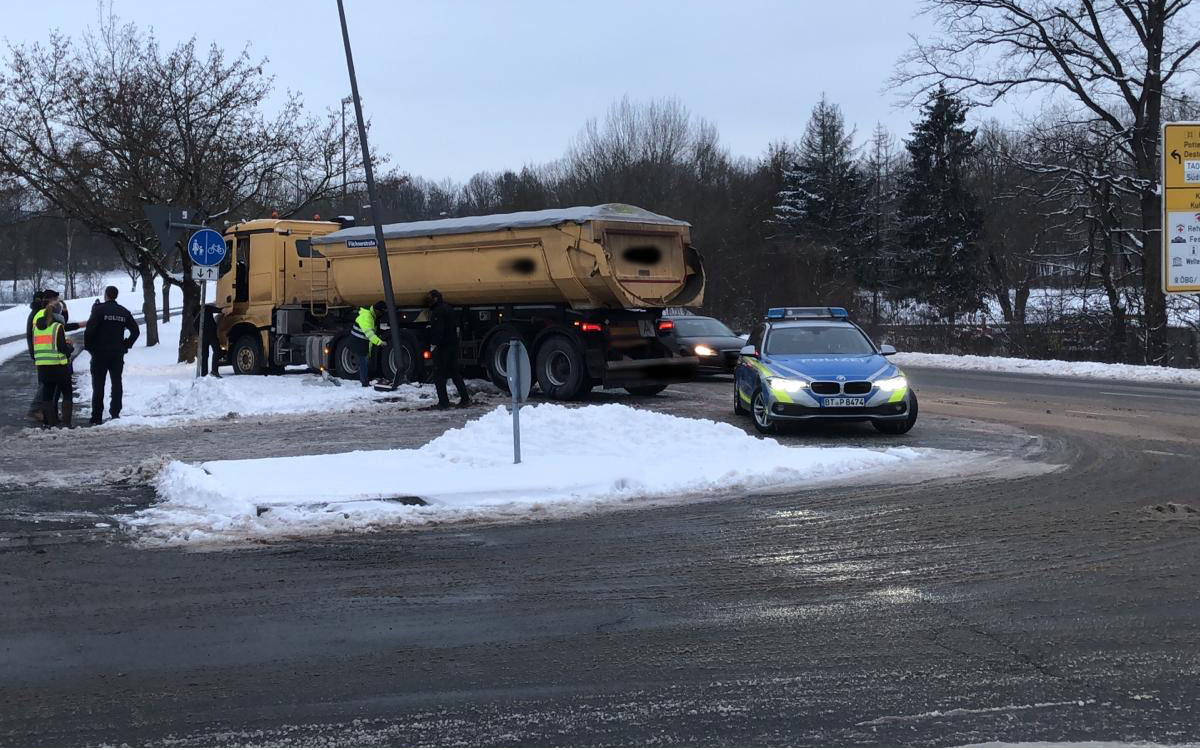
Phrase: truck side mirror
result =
(749, 351)
(887, 350)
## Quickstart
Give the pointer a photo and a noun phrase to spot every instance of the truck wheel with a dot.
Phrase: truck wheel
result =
(345, 363)
(496, 360)
(405, 361)
(560, 368)
(645, 390)
(247, 355)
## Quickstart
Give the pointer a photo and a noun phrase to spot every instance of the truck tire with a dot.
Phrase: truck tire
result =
(645, 390)
(345, 364)
(495, 362)
(560, 370)
(408, 358)
(247, 355)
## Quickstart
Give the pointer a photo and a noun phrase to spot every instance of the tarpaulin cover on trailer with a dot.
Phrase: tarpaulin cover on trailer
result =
(500, 222)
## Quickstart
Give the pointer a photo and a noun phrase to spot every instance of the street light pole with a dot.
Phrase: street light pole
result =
(345, 100)
(384, 270)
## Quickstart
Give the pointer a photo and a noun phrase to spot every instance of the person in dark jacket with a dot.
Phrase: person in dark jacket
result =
(51, 354)
(212, 347)
(36, 310)
(105, 340)
(443, 344)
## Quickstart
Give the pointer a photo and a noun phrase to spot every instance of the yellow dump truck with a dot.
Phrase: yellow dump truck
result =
(582, 287)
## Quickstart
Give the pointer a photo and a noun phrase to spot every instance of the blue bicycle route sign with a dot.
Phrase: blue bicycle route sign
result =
(206, 248)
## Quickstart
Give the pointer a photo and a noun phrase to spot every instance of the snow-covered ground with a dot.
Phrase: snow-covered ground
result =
(574, 460)
(1056, 367)
(160, 391)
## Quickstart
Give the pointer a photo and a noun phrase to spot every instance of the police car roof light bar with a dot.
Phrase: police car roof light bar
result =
(798, 313)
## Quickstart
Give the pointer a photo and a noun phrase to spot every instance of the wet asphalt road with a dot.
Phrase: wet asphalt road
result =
(1058, 606)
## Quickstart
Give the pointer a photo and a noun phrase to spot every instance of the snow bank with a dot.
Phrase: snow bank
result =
(1056, 367)
(574, 460)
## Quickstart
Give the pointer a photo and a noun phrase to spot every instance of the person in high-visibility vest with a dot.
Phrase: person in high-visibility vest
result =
(51, 355)
(37, 309)
(363, 336)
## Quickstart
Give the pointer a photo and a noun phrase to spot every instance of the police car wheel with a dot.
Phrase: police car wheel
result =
(900, 427)
(762, 417)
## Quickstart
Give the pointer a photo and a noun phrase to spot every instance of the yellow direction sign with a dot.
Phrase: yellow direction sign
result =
(1181, 207)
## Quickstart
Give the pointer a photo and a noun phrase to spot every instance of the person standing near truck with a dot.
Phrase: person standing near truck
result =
(212, 347)
(105, 340)
(37, 310)
(51, 354)
(363, 336)
(443, 345)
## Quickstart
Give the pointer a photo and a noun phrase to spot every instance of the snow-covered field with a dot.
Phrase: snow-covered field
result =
(1055, 367)
(575, 460)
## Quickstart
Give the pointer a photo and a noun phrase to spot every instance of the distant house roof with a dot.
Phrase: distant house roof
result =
(499, 222)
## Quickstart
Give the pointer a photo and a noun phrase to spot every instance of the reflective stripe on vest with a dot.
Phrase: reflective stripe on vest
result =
(45, 346)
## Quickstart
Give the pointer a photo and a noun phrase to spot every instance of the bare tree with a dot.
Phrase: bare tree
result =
(105, 126)
(1114, 59)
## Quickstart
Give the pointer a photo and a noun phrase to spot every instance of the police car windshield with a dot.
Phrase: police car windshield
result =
(818, 340)
(701, 327)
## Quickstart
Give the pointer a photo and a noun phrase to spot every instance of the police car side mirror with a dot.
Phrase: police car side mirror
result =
(749, 351)
(887, 350)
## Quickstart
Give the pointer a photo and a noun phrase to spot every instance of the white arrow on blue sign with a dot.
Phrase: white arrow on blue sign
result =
(206, 248)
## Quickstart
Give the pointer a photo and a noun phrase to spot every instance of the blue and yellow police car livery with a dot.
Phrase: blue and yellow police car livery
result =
(805, 363)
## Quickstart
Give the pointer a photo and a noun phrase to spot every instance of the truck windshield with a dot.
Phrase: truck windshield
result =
(818, 340)
(701, 327)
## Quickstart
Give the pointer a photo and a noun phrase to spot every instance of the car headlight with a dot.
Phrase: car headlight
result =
(704, 351)
(788, 384)
(892, 384)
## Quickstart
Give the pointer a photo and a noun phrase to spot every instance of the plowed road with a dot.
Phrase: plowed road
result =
(1059, 607)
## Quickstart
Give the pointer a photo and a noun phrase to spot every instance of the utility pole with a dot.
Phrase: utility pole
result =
(384, 270)
(345, 100)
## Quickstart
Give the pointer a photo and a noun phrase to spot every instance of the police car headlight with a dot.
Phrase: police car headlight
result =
(892, 384)
(704, 351)
(788, 384)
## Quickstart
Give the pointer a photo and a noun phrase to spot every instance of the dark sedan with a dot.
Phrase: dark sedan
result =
(703, 337)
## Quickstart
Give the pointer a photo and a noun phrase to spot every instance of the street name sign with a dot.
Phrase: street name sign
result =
(206, 248)
(1181, 207)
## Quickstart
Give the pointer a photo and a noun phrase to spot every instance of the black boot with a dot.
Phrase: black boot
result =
(49, 414)
(68, 411)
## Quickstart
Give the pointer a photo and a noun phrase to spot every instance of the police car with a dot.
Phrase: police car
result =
(813, 363)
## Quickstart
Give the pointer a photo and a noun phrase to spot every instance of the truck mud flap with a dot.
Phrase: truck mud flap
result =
(647, 371)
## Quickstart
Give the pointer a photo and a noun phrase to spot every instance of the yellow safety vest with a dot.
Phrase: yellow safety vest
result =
(45, 346)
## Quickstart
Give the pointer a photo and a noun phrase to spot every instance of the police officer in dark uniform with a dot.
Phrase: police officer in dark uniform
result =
(104, 338)
(443, 344)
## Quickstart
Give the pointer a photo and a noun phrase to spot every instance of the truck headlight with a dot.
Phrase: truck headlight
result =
(788, 384)
(892, 384)
(704, 351)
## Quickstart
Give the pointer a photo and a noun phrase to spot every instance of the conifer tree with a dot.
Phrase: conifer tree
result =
(939, 222)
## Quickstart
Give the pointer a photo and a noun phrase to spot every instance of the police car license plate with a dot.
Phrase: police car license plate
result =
(844, 401)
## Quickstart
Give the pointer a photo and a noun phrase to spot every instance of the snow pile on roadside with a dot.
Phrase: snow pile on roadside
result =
(1056, 367)
(574, 460)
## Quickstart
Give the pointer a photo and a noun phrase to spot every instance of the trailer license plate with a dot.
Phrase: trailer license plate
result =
(646, 328)
(844, 401)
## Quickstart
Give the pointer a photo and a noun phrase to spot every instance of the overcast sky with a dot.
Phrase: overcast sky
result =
(454, 87)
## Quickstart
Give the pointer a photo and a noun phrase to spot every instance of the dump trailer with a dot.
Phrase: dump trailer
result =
(582, 287)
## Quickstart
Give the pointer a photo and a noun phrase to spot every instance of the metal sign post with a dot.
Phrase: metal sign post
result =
(1181, 207)
(206, 248)
(520, 379)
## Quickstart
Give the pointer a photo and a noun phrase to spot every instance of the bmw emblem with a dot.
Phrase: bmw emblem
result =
(841, 377)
